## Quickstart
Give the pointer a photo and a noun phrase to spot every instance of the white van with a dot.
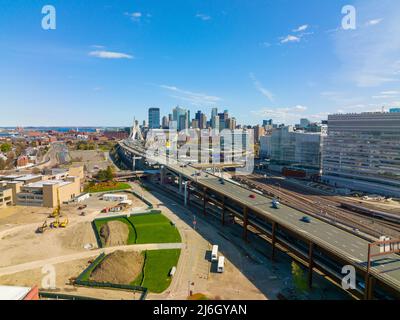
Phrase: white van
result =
(214, 253)
(221, 264)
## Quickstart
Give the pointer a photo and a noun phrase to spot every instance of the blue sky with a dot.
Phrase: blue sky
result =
(109, 61)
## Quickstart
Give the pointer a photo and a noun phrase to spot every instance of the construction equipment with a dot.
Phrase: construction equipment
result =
(64, 223)
(42, 228)
(55, 224)
(57, 210)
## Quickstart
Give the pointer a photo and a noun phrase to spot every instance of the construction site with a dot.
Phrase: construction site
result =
(33, 237)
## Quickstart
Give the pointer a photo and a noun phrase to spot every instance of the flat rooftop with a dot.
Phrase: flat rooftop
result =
(40, 184)
(11, 177)
(13, 293)
(28, 177)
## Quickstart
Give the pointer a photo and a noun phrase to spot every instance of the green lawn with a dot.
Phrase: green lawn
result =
(104, 187)
(146, 228)
(154, 228)
(157, 268)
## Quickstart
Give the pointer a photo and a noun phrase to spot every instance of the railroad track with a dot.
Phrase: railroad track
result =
(324, 208)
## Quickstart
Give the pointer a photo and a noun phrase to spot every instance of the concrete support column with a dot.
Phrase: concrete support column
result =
(180, 183)
(245, 222)
(369, 287)
(223, 211)
(185, 191)
(162, 175)
(188, 193)
(204, 200)
(273, 240)
(310, 264)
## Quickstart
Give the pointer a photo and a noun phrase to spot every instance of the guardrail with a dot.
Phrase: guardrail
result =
(63, 296)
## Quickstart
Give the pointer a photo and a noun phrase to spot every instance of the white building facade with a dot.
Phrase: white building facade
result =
(362, 152)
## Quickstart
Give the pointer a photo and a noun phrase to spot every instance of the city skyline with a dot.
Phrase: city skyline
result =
(90, 73)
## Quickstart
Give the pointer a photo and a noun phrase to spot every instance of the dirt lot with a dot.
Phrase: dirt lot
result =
(90, 158)
(114, 233)
(64, 272)
(119, 267)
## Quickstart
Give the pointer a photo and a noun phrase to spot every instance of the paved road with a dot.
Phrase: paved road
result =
(85, 255)
(323, 234)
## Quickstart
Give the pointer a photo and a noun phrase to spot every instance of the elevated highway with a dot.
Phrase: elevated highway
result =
(318, 245)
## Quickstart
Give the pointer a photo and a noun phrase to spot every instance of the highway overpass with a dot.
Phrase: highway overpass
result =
(318, 245)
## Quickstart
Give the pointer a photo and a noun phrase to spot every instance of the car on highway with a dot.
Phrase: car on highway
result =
(252, 196)
(305, 219)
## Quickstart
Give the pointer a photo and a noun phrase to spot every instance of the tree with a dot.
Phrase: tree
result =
(299, 278)
(6, 147)
(105, 175)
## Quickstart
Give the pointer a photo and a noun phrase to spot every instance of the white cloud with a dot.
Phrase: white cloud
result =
(192, 97)
(300, 108)
(391, 93)
(290, 38)
(301, 28)
(265, 92)
(266, 44)
(110, 55)
(137, 16)
(203, 17)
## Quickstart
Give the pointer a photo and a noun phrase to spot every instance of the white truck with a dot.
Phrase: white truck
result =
(221, 264)
(214, 253)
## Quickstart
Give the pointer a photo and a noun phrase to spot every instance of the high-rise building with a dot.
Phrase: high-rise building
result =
(183, 122)
(290, 147)
(181, 116)
(258, 132)
(215, 122)
(197, 117)
(230, 123)
(304, 123)
(165, 122)
(195, 124)
(214, 112)
(362, 152)
(154, 118)
(267, 122)
(222, 121)
(203, 121)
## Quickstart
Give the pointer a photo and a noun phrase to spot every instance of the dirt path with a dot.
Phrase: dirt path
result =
(86, 254)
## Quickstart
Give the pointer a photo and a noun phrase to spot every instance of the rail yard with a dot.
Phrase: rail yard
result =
(330, 208)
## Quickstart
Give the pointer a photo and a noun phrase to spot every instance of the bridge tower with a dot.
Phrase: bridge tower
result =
(136, 134)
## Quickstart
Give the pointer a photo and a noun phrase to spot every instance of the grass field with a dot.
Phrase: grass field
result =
(146, 228)
(157, 268)
(154, 228)
(107, 186)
